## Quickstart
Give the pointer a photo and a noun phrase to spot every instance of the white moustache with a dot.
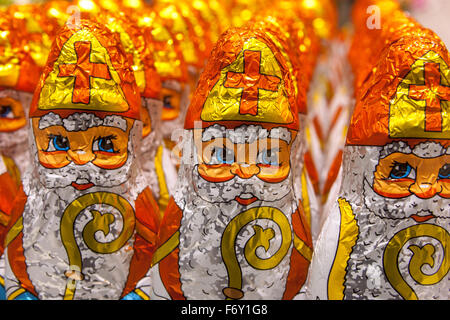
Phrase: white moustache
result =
(405, 207)
(229, 190)
(81, 174)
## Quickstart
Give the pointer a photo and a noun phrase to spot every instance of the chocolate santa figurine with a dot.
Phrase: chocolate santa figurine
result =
(387, 235)
(19, 75)
(172, 70)
(234, 228)
(85, 223)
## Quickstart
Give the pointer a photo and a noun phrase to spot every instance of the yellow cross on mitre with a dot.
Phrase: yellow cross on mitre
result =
(83, 77)
(250, 89)
(421, 105)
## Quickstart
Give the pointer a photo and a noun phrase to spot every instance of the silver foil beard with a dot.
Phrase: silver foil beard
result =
(201, 265)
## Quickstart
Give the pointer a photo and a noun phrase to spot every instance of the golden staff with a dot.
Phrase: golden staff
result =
(261, 237)
(421, 256)
(98, 223)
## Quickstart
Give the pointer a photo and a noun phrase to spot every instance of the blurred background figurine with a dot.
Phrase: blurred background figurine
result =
(19, 74)
(18, 79)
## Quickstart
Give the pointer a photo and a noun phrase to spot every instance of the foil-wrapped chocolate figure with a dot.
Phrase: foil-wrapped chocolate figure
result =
(84, 225)
(279, 29)
(387, 235)
(234, 228)
(172, 69)
(18, 79)
(19, 75)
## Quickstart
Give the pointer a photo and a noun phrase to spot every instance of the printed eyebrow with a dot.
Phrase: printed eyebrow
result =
(111, 136)
(53, 135)
(395, 162)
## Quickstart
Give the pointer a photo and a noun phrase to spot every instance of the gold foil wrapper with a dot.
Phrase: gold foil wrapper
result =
(247, 79)
(404, 94)
(320, 15)
(168, 56)
(176, 18)
(87, 69)
(139, 49)
(22, 53)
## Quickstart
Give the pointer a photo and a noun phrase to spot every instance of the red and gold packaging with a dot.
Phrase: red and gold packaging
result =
(276, 29)
(234, 181)
(389, 224)
(19, 74)
(84, 139)
(321, 15)
(175, 17)
(367, 42)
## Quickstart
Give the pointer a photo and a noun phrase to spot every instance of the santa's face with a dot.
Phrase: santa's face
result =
(410, 182)
(13, 112)
(246, 164)
(82, 150)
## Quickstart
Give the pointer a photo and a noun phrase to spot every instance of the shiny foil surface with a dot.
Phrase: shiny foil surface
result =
(23, 47)
(85, 178)
(223, 150)
(386, 234)
(63, 84)
(139, 49)
(227, 77)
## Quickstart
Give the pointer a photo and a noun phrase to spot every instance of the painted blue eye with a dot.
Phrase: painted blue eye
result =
(269, 157)
(444, 172)
(6, 112)
(104, 144)
(401, 171)
(58, 143)
(225, 155)
(222, 156)
(167, 102)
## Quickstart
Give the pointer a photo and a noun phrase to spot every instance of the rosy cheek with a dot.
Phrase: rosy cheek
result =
(109, 161)
(215, 173)
(53, 159)
(445, 184)
(395, 189)
(273, 174)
